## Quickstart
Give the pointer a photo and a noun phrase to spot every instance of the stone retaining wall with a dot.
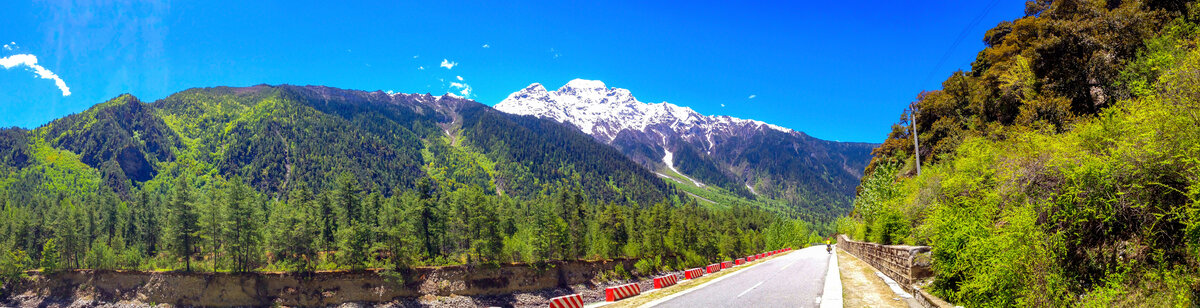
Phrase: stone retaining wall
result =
(905, 264)
(899, 262)
(312, 289)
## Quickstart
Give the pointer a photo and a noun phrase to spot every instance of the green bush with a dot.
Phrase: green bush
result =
(50, 257)
(644, 267)
(13, 265)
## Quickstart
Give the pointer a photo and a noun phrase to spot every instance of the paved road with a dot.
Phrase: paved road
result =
(792, 280)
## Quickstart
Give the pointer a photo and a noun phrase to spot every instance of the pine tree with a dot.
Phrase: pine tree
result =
(212, 220)
(293, 231)
(50, 257)
(185, 222)
(69, 230)
(348, 199)
(243, 236)
(398, 230)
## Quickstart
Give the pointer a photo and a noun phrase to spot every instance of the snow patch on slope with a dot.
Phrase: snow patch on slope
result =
(669, 160)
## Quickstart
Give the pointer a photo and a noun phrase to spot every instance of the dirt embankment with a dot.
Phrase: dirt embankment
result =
(294, 289)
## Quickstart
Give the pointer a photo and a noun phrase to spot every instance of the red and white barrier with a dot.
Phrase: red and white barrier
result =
(714, 268)
(726, 264)
(665, 281)
(693, 273)
(616, 293)
(567, 301)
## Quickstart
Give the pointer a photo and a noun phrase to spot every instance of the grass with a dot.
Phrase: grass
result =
(860, 286)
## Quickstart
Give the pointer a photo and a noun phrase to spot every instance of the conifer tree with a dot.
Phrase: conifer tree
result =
(184, 223)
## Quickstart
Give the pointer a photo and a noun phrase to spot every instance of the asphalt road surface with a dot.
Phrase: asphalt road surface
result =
(792, 280)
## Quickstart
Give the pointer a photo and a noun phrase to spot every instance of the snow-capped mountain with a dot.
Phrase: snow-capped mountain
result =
(605, 112)
(747, 157)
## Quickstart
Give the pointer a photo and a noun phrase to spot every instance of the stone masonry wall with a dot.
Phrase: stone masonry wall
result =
(901, 263)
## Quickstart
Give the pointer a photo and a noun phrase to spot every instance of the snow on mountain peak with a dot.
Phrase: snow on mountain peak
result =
(584, 84)
(604, 112)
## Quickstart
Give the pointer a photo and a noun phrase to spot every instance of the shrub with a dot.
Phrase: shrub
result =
(50, 257)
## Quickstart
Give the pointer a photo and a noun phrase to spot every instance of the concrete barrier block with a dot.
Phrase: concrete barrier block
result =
(567, 301)
(616, 293)
(665, 281)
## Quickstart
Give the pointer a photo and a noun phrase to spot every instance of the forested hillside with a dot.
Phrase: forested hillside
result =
(736, 158)
(305, 178)
(1062, 170)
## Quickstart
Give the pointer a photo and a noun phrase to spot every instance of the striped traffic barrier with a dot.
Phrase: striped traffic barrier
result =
(616, 293)
(665, 281)
(693, 273)
(714, 268)
(739, 261)
(567, 301)
(726, 264)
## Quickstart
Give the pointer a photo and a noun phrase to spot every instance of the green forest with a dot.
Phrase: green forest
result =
(1062, 170)
(300, 179)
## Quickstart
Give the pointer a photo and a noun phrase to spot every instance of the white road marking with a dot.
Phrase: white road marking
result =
(751, 288)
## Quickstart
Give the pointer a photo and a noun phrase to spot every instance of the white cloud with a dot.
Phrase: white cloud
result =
(10, 46)
(722, 105)
(448, 65)
(752, 96)
(417, 56)
(421, 67)
(464, 89)
(31, 62)
(487, 46)
(459, 78)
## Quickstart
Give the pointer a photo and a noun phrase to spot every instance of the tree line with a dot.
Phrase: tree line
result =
(224, 225)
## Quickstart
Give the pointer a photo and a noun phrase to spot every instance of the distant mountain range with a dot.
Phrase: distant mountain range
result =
(745, 157)
(278, 137)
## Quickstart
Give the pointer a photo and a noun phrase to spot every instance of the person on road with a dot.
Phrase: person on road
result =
(828, 247)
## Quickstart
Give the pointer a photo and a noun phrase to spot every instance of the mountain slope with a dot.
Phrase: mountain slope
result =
(746, 157)
(275, 136)
(317, 178)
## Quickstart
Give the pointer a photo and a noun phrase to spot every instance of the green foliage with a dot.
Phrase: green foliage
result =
(243, 235)
(184, 226)
(50, 261)
(1038, 190)
(312, 178)
(292, 231)
(13, 265)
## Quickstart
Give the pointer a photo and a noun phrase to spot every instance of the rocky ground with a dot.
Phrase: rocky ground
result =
(591, 292)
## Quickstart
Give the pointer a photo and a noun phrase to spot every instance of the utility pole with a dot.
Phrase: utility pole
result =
(912, 109)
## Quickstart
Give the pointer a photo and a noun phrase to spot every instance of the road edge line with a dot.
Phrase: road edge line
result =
(697, 287)
(831, 295)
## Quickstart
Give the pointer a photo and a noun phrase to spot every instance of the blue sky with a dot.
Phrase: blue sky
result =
(837, 70)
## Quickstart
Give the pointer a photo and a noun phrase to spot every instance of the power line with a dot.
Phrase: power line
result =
(961, 35)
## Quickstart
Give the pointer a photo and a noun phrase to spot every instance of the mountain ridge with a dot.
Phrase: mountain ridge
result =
(749, 158)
